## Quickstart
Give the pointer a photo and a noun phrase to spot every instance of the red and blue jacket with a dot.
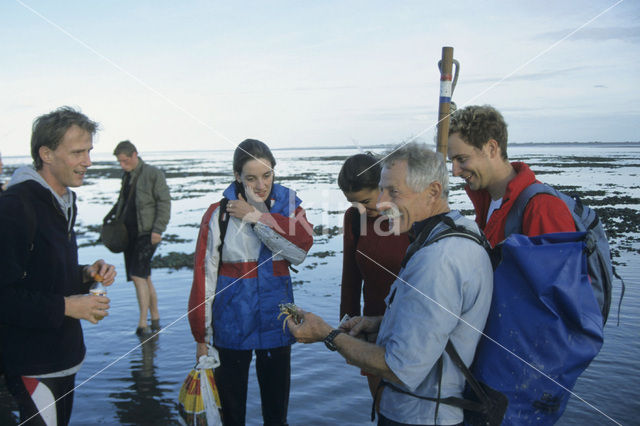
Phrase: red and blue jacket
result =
(234, 300)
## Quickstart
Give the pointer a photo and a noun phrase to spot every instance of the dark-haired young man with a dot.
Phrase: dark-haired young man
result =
(43, 289)
(477, 149)
(146, 217)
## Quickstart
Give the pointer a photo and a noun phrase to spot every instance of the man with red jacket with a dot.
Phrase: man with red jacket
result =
(477, 149)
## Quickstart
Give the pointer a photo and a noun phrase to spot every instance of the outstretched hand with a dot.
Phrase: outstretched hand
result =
(311, 329)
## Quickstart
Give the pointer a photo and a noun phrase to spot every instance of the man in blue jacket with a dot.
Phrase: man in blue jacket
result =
(43, 289)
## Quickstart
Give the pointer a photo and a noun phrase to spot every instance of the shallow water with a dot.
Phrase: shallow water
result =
(125, 382)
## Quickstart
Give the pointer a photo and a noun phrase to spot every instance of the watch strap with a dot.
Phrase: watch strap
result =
(328, 341)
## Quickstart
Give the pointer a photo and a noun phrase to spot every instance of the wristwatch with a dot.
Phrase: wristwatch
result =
(328, 341)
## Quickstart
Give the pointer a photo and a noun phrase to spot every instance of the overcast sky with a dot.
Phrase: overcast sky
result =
(199, 75)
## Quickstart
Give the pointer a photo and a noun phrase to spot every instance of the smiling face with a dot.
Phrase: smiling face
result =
(257, 178)
(368, 198)
(67, 165)
(470, 163)
(398, 201)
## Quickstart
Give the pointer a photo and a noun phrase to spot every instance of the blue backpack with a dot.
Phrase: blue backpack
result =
(551, 297)
(601, 271)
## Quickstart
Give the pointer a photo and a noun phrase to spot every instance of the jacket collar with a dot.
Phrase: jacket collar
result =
(283, 200)
(481, 198)
(138, 169)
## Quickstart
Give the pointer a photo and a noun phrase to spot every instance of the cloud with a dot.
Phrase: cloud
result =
(629, 34)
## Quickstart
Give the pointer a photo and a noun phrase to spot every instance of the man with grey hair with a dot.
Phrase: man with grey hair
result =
(442, 294)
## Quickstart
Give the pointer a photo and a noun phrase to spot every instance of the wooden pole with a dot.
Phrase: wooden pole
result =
(446, 66)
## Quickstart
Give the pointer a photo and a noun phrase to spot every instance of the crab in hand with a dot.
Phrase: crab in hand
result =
(290, 311)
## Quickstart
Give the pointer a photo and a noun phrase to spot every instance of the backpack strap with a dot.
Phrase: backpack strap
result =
(513, 224)
(465, 404)
(453, 230)
(223, 222)
(111, 216)
(621, 292)
(355, 226)
(490, 407)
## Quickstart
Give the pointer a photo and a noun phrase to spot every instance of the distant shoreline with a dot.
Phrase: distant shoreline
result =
(388, 146)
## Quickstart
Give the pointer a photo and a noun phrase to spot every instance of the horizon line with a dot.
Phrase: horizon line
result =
(365, 147)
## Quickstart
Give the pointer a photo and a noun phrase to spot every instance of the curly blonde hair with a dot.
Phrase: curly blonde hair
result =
(477, 124)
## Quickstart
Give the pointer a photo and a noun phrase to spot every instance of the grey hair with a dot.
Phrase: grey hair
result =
(424, 166)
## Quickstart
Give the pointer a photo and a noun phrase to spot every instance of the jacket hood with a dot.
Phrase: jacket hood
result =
(26, 173)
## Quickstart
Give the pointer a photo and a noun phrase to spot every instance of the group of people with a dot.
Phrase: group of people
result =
(418, 296)
(441, 292)
(247, 241)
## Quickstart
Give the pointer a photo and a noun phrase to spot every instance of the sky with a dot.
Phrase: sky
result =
(205, 75)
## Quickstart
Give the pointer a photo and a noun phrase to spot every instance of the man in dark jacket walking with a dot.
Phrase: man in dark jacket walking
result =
(43, 289)
(146, 215)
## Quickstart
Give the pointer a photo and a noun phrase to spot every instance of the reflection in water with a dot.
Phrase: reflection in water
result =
(8, 407)
(141, 401)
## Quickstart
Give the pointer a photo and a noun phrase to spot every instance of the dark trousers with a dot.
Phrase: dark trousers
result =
(33, 395)
(273, 368)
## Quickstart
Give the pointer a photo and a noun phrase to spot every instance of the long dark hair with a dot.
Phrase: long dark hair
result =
(251, 149)
(360, 171)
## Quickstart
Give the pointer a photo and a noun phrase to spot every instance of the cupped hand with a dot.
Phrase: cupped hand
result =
(88, 307)
(242, 210)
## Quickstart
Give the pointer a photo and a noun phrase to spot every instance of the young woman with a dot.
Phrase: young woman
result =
(370, 248)
(265, 230)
